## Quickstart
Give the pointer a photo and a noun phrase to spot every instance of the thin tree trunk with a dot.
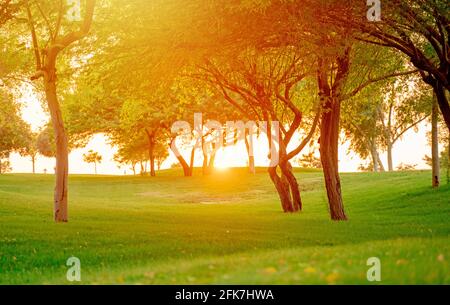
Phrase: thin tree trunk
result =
(435, 144)
(151, 148)
(33, 163)
(205, 169)
(212, 159)
(95, 168)
(380, 163)
(251, 158)
(374, 157)
(389, 156)
(191, 164)
(152, 162)
(62, 152)
(1, 166)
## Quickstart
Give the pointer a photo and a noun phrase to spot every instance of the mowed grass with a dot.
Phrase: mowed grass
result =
(227, 228)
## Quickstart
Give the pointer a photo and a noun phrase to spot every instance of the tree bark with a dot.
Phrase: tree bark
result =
(330, 96)
(282, 188)
(329, 136)
(389, 157)
(442, 101)
(435, 144)
(374, 154)
(293, 186)
(62, 152)
(380, 163)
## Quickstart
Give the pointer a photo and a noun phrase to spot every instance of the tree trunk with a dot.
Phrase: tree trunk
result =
(95, 168)
(211, 161)
(374, 157)
(329, 136)
(33, 163)
(62, 152)
(183, 163)
(191, 164)
(389, 157)
(435, 144)
(251, 157)
(380, 163)
(448, 159)
(152, 162)
(205, 169)
(1, 166)
(142, 168)
(282, 188)
(293, 186)
(151, 149)
(442, 101)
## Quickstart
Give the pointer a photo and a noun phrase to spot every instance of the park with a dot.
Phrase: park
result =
(224, 142)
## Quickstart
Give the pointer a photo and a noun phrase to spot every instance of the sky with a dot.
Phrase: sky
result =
(409, 150)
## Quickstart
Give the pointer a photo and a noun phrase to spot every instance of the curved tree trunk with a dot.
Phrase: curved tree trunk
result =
(293, 186)
(183, 163)
(282, 188)
(62, 152)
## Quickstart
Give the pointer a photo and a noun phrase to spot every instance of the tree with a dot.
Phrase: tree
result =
(31, 150)
(46, 64)
(8, 9)
(13, 130)
(417, 28)
(266, 86)
(402, 110)
(92, 157)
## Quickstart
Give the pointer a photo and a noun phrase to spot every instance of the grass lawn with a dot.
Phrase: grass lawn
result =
(224, 229)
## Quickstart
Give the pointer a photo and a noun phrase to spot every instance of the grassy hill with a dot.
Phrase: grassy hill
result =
(225, 228)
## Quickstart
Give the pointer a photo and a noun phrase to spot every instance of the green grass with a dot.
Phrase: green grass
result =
(226, 228)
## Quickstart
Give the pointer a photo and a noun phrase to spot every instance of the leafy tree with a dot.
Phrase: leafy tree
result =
(92, 157)
(31, 149)
(50, 35)
(13, 129)
(417, 28)
(401, 111)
